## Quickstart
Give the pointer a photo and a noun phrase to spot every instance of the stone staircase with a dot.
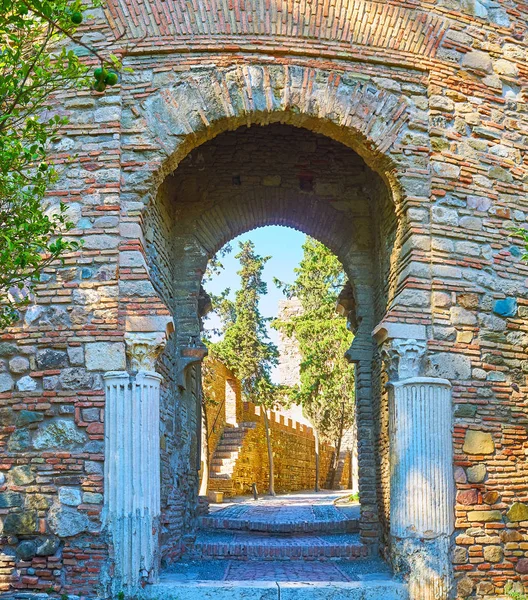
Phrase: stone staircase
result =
(245, 532)
(285, 548)
(226, 455)
(244, 545)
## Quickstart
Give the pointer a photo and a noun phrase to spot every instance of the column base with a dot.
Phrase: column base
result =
(427, 565)
(135, 552)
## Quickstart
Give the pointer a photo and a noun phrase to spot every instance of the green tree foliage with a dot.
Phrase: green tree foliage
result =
(35, 64)
(245, 347)
(522, 233)
(513, 593)
(326, 389)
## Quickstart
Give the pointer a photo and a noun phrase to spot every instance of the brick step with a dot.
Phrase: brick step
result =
(233, 524)
(225, 453)
(211, 544)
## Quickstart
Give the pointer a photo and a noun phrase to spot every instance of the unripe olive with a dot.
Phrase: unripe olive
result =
(112, 78)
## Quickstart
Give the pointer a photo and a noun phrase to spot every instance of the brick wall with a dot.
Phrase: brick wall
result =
(431, 94)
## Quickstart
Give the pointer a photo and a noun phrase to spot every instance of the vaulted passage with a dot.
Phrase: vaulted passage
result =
(240, 180)
(394, 133)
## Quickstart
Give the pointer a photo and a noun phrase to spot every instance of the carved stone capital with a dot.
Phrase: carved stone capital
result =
(143, 349)
(403, 358)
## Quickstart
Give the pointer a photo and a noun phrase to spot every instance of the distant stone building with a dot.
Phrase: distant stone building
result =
(289, 357)
(289, 374)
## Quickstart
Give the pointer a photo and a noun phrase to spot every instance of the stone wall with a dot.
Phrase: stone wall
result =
(293, 452)
(431, 94)
(293, 443)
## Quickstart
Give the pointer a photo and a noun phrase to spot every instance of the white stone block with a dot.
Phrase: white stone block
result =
(105, 356)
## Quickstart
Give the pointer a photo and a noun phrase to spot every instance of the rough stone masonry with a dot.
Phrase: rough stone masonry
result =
(395, 132)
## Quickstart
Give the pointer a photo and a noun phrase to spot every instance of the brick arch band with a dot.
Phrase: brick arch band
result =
(187, 109)
(190, 108)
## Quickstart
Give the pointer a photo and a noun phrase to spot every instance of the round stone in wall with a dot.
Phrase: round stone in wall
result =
(18, 365)
(26, 550)
(465, 587)
(476, 473)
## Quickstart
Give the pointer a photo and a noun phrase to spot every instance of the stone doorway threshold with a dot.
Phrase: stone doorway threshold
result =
(173, 588)
(367, 579)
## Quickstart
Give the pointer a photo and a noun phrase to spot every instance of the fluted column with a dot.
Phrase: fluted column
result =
(132, 464)
(422, 480)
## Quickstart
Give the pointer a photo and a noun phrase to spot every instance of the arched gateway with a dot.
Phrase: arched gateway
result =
(393, 133)
(319, 151)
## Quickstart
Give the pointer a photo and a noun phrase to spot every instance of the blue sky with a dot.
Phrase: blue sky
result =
(284, 245)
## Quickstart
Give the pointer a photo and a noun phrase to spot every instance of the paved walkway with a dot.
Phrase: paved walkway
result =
(307, 512)
(300, 571)
(291, 539)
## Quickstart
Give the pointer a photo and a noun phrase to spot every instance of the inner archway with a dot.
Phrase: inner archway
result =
(277, 336)
(249, 178)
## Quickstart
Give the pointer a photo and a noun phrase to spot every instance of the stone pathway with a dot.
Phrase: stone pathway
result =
(290, 547)
(305, 512)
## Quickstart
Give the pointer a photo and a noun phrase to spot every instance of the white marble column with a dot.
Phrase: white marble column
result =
(421, 461)
(132, 464)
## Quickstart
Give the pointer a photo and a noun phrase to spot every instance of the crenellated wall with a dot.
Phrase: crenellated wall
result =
(293, 444)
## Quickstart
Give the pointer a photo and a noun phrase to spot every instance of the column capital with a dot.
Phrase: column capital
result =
(143, 349)
(403, 358)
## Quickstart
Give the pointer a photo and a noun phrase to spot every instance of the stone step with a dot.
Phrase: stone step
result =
(237, 434)
(222, 460)
(173, 589)
(223, 467)
(242, 428)
(244, 545)
(233, 524)
(225, 453)
(227, 447)
(225, 579)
